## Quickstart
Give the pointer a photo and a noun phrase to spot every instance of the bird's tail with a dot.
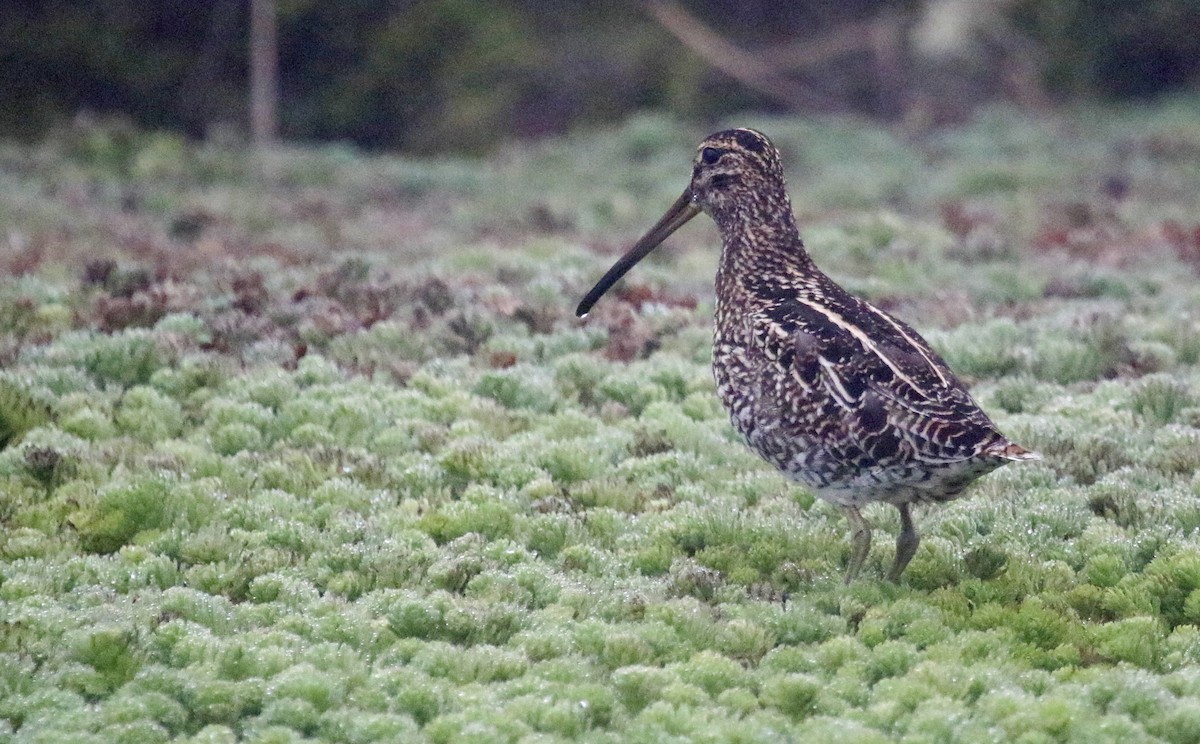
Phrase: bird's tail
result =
(1007, 450)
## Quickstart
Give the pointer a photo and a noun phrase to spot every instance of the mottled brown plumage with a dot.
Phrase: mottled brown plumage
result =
(831, 390)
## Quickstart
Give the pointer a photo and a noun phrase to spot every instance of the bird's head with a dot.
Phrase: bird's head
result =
(734, 168)
(736, 174)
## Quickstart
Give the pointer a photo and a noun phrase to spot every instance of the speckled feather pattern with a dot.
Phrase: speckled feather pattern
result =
(833, 391)
(830, 389)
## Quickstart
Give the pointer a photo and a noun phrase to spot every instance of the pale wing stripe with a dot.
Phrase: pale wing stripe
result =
(855, 331)
(832, 375)
(910, 341)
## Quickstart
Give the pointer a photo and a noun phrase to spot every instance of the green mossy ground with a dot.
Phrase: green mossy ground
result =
(310, 448)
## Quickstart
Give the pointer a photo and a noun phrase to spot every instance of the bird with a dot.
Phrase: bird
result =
(836, 393)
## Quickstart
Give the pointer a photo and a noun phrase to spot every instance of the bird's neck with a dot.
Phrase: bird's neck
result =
(760, 240)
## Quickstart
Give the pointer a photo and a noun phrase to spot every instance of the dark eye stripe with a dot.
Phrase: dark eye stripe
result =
(721, 180)
(749, 140)
(710, 155)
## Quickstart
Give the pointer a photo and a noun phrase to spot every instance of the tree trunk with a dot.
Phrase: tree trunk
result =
(264, 73)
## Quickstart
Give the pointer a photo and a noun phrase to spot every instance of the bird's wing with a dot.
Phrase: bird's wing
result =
(884, 376)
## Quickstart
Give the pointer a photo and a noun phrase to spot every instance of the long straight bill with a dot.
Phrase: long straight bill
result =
(679, 213)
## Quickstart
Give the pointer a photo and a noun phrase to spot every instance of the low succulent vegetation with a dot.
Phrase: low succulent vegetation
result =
(309, 447)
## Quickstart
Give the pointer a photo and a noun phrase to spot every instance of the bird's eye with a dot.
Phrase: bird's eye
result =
(710, 155)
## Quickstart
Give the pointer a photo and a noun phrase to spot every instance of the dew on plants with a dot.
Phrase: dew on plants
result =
(403, 493)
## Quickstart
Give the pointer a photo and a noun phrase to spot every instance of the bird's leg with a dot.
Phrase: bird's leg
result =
(860, 542)
(906, 542)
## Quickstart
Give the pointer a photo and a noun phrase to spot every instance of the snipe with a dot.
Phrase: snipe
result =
(833, 391)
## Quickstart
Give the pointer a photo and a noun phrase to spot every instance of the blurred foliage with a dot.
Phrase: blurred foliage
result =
(1113, 49)
(310, 447)
(456, 74)
(171, 64)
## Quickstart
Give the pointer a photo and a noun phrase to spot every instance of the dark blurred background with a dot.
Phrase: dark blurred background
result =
(436, 75)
